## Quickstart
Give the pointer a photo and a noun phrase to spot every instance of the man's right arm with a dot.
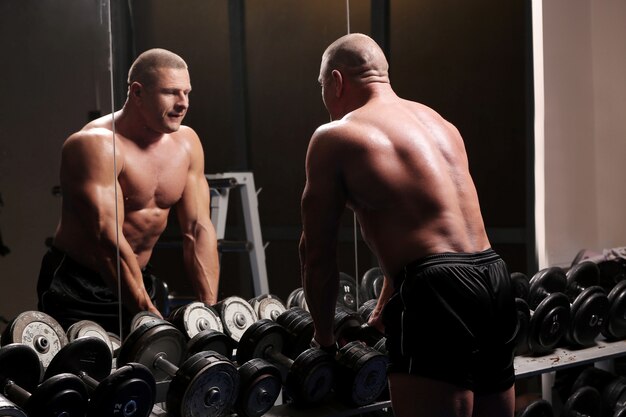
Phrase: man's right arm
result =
(92, 197)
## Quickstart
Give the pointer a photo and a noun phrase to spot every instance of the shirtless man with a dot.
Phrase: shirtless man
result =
(449, 313)
(159, 164)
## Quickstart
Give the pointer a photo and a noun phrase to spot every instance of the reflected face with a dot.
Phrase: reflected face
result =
(167, 100)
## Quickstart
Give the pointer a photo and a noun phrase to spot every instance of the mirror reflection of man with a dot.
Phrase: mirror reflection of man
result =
(159, 165)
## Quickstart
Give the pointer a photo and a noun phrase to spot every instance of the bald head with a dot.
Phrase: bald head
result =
(357, 56)
(145, 67)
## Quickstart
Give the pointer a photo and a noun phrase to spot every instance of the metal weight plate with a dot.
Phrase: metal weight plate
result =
(259, 386)
(346, 325)
(88, 328)
(589, 311)
(366, 309)
(130, 391)
(362, 373)
(143, 317)
(205, 385)
(8, 409)
(269, 308)
(539, 408)
(549, 323)
(195, 317)
(259, 338)
(347, 296)
(369, 283)
(296, 299)
(545, 282)
(311, 377)
(37, 330)
(299, 325)
(20, 364)
(585, 401)
(615, 326)
(237, 315)
(61, 395)
(149, 340)
(211, 340)
(90, 355)
(582, 275)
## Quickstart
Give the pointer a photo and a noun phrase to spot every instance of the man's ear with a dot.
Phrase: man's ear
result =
(338, 78)
(135, 90)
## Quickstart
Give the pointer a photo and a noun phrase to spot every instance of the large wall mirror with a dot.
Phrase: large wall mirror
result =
(256, 102)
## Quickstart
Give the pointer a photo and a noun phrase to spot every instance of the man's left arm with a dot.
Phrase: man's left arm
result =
(194, 215)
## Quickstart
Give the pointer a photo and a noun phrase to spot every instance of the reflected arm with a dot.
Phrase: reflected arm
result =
(199, 238)
(89, 215)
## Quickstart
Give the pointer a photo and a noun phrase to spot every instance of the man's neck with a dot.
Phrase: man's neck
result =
(130, 124)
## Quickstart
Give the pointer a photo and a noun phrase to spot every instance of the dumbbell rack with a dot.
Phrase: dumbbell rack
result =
(221, 185)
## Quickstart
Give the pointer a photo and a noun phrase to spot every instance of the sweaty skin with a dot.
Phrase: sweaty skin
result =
(159, 165)
(403, 170)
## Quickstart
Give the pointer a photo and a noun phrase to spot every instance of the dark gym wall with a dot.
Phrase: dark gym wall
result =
(467, 60)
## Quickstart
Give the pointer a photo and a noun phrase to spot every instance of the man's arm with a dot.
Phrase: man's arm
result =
(386, 292)
(89, 188)
(323, 202)
(199, 239)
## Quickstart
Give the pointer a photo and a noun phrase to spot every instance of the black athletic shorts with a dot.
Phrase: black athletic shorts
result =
(453, 318)
(70, 292)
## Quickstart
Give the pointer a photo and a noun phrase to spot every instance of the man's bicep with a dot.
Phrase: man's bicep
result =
(89, 183)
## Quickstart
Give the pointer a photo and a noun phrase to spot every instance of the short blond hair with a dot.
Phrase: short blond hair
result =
(145, 66)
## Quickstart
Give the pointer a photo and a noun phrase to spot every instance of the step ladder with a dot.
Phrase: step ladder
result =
(221, 186)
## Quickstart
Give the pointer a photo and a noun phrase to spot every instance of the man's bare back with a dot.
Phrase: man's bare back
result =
(407, 178)
(404, 171)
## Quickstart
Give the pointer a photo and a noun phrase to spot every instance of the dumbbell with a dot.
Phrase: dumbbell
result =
(538, 408)
(585, 401)
(308, 379)
(613, 280)
(267, 306)
(213, 340)
(129, 391)
(205, 383)
(590, 304)
(259, 381)
(361, 373)
(8, 409)
(365, 310)
(195, 317)
(236, 314)
(299, 325)
(296, 299)
(550, 318)
(37, 330)
(371, 284)
(89, 328)
(143, 317)
(612, 388)
(63, 395)
(349, 326)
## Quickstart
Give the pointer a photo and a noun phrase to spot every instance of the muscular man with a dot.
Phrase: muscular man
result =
(159, 164)
(449, 313)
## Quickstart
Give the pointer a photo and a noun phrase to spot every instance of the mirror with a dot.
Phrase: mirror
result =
(256, 102)
(57, 77)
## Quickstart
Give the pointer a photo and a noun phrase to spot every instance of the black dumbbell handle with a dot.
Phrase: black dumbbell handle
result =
(16, 393)
(160, 362)
(278, 357)
(89, 381)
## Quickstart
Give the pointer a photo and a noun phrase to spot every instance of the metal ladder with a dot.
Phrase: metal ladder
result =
(221, 185)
